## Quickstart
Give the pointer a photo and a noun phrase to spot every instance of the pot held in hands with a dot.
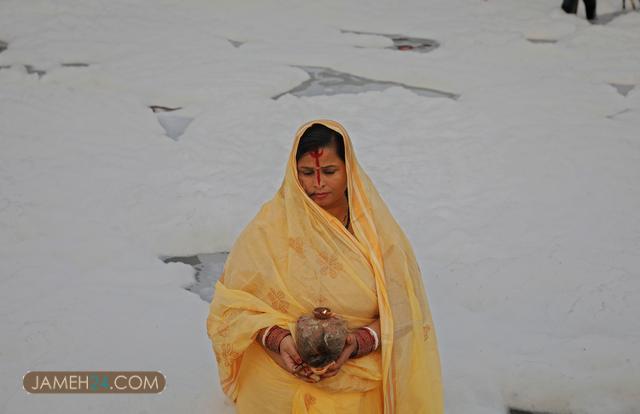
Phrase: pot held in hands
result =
(320, 337)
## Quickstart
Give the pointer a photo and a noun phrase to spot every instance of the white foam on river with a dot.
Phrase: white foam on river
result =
(520, 197)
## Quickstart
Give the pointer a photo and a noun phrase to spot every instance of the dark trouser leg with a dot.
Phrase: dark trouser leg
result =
(590, 7)
(570, 6)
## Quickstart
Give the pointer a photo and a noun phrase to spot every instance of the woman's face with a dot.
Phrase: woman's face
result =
(323, 175)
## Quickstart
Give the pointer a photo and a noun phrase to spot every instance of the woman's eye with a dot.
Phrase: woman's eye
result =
(329, 172)
(307, 173)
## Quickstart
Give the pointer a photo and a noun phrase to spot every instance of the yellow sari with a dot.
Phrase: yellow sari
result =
(294, 256)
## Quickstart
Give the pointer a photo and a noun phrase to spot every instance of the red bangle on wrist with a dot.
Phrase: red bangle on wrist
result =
(274, 337)
(365, 343)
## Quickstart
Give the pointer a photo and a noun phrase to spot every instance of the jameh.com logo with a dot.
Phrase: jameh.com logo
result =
(92, 382)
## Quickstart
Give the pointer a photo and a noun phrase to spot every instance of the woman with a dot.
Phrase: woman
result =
(325, 239)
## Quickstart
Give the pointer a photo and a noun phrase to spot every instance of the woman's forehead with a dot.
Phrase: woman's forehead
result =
(324, 155)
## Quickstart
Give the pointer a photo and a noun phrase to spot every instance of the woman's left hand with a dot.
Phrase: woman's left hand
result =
(350, 345)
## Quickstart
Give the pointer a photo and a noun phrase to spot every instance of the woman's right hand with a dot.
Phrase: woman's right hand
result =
(289, 359)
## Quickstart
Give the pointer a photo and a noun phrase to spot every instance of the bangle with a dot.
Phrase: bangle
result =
(276, 335)
(264, 336)
(365, 342)
(375, 337)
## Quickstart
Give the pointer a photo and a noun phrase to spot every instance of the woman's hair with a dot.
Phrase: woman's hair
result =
(319, 136)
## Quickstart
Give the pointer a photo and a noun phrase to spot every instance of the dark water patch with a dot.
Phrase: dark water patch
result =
(174, 125)
(30, 70)
(402, 42)
(623, 89)
(414, 44)
(543, 41)
(158, 108)
(75, 65)
(325, 81)
(520, 411)
(236, 43)
(208, 267)
(5, 67)
(3, 46)
(615, 114)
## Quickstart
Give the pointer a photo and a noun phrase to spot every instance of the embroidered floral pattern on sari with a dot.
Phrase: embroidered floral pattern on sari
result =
(322, 300)
(309, 400)
(329, 265)
(227, 354)
(223, 329)
(297, 245)
(425, 331)
(276, 297)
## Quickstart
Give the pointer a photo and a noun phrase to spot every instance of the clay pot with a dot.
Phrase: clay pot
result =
(320, 337)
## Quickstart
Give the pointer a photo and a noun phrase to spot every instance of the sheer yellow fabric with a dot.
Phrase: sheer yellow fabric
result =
(293, 257)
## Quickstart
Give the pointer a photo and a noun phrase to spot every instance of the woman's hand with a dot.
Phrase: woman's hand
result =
(289, 354)
(350, 345)
(289, 359)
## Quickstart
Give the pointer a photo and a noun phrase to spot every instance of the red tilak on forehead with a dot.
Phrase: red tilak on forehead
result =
(316, 154)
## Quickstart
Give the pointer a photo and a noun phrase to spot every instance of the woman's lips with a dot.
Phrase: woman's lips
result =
(319, 195)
